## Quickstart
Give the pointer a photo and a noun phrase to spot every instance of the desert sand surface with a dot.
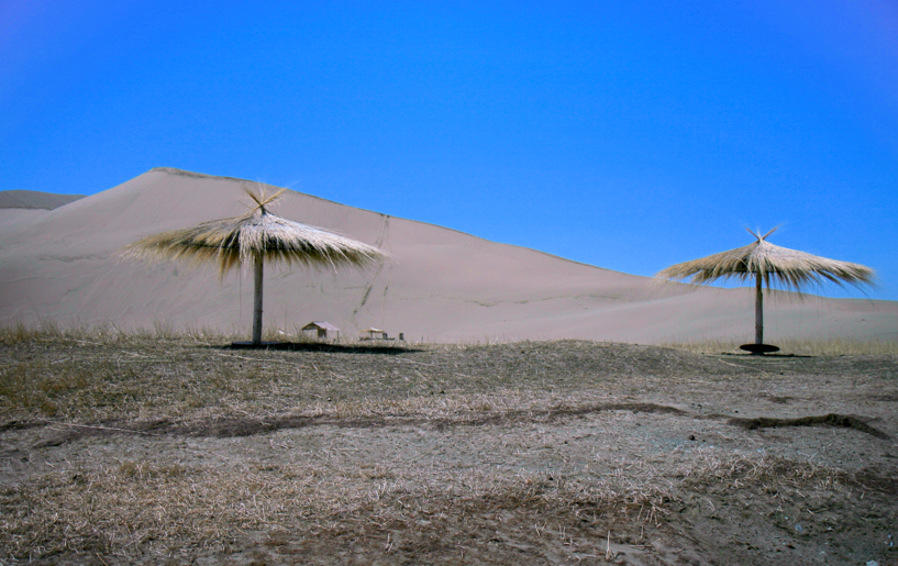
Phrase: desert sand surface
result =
(63, 265)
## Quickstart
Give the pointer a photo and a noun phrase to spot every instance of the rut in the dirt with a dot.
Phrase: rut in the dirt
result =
(229, 427)
(831, 419)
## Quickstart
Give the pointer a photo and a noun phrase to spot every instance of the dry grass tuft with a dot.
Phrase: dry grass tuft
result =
(740, 471)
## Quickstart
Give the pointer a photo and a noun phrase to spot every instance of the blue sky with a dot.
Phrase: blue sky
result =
(629, 135)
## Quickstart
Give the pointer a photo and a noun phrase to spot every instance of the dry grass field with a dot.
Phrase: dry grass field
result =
(122, 449)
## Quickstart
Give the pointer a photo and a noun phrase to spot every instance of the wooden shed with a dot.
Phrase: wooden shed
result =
(321, 330)
(374, 334)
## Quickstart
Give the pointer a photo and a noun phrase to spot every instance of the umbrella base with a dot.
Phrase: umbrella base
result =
(759, 349)
(260, 346)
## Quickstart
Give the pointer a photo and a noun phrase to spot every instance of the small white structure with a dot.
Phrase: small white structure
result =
(322, 330)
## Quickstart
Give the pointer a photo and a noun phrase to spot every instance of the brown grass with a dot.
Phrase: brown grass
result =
(138, 506)
(105, 374)
(794, 347)
(154, 447)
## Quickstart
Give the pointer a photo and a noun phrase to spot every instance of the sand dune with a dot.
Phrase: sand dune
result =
(442, 285)
(34, 200)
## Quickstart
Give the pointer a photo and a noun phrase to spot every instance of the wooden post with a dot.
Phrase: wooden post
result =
(257, 302)
(759, 310)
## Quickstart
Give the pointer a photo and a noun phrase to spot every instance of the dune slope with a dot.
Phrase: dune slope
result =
(441, 285)
(35, 200)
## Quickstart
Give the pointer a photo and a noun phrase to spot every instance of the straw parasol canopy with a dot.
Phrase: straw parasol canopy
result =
(253, 239)
(766, 264)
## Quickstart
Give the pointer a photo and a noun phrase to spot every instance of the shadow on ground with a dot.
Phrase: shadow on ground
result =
(386, 348)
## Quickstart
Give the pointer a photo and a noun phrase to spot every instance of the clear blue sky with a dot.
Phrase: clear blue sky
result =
(629, 134)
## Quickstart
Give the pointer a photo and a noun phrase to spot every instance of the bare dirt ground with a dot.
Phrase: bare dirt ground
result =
(133, 450)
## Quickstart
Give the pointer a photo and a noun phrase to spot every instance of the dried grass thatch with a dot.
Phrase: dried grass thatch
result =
(240, 240)
(792, 269)
(253, 239)
(768, 264)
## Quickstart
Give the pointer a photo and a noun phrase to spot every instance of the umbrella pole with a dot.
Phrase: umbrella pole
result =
(257, 301)
(759, 311)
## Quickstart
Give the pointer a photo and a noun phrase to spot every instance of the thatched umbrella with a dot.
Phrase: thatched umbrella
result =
(251, 239)
(767, 263)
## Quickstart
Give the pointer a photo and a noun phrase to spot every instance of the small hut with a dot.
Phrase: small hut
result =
(321, 330)
(374, 334)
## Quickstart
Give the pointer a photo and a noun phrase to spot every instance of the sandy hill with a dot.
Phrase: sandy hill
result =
(442, 285)
(34, 199)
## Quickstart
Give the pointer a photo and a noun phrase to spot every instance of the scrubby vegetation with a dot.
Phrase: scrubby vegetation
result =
(129, 448)
(793, 347)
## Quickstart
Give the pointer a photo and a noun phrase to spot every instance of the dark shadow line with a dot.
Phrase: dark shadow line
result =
(831, 419)
(230, 427)
(391, 349)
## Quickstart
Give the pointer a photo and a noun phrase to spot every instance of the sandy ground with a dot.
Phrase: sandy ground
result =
(612, 454)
